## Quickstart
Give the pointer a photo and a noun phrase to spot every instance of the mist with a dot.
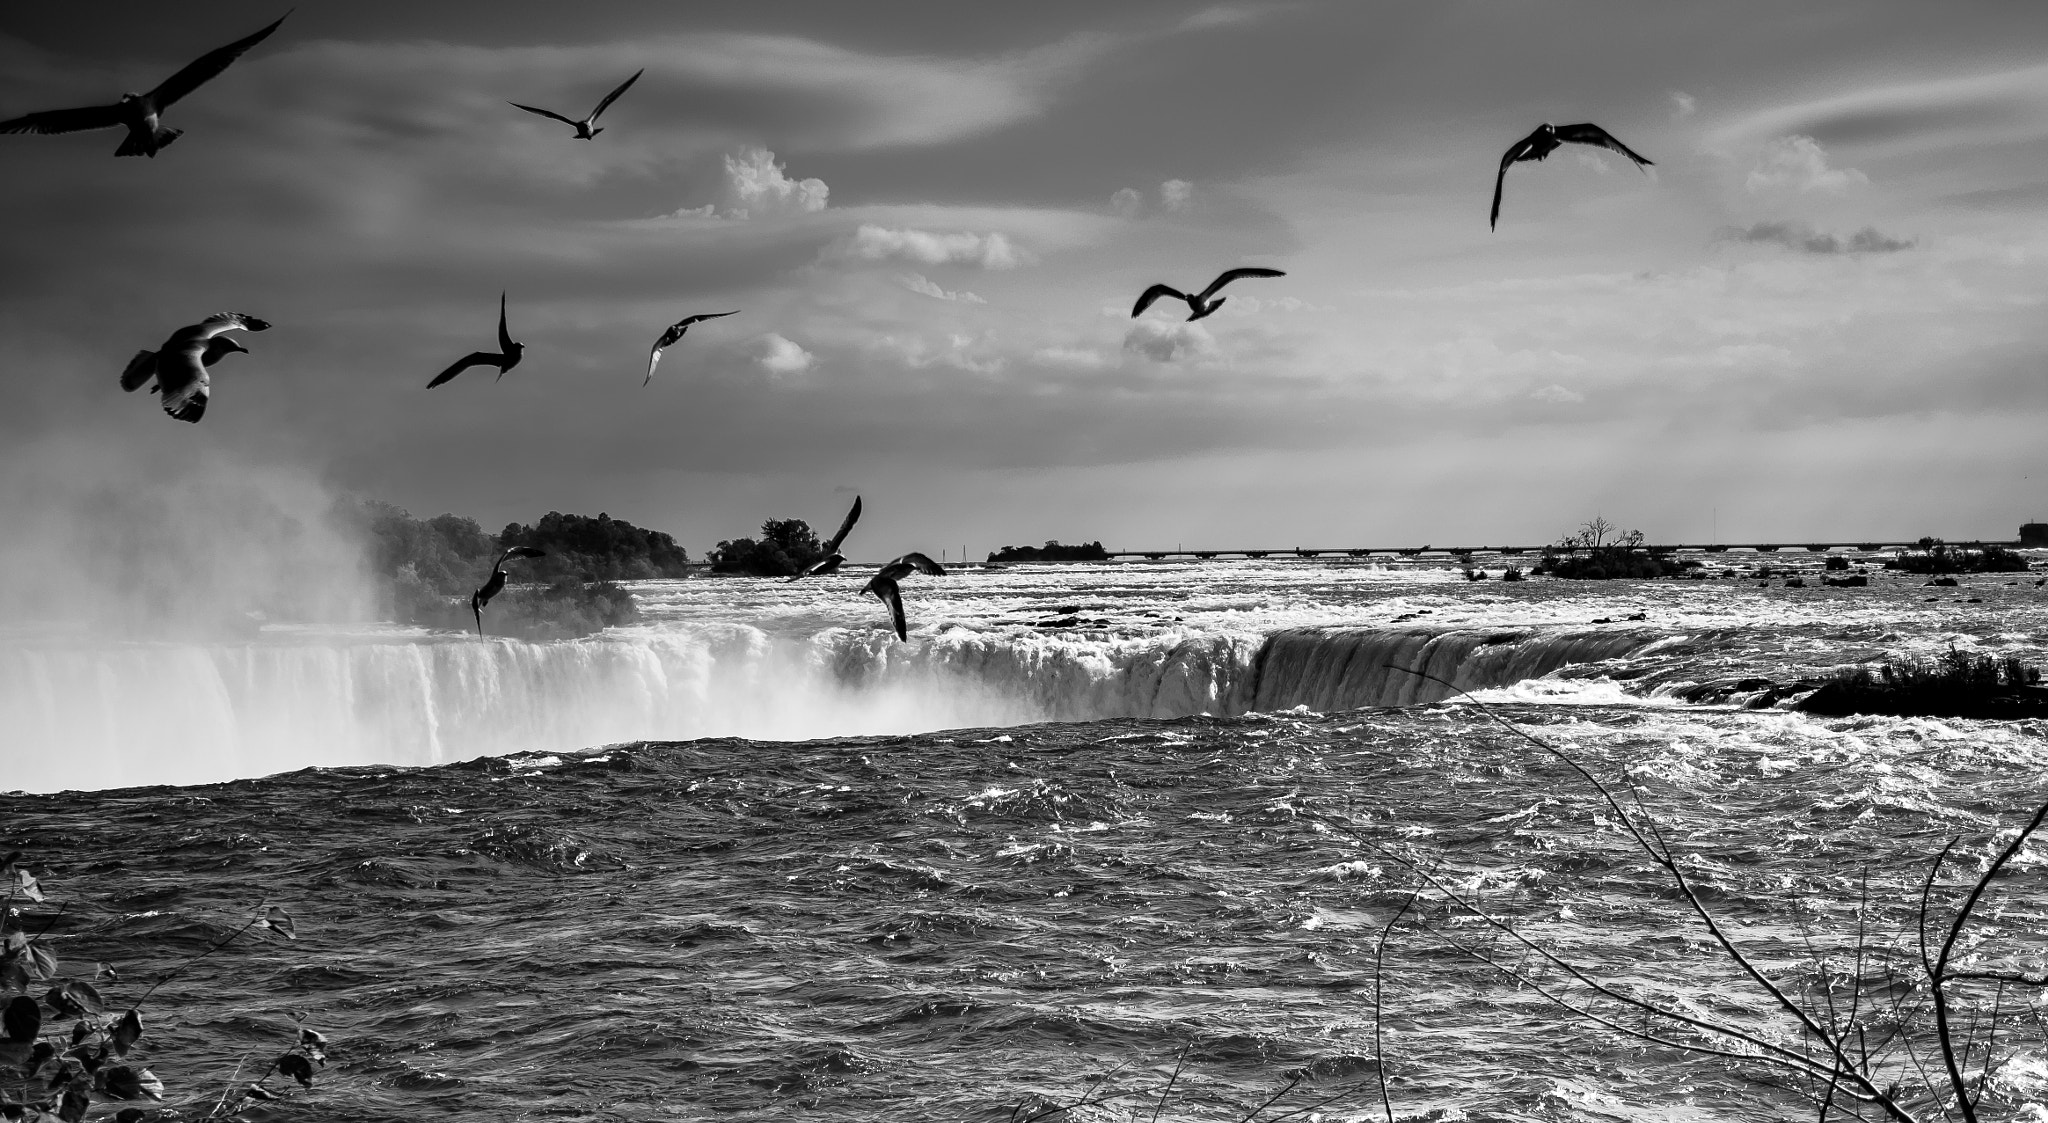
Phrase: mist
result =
(113, 541)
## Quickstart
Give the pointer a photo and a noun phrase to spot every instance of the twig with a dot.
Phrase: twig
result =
(1379, 978)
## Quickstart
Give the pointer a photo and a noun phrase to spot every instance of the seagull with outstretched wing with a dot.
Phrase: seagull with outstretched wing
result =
(1199, 305)
(884, 586)
(496, 584)
(674, 333)
(583, 127)
(179, 366)
(505, 358)
(833, 559)
(140, 114)
(1546, 140)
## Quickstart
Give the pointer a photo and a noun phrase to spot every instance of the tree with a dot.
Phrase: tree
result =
(785, 547)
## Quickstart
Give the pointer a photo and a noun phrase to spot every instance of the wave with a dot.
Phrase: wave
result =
(140, 713)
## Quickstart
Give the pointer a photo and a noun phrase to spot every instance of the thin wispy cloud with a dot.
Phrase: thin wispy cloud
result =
(919, 283)
(1804, 238)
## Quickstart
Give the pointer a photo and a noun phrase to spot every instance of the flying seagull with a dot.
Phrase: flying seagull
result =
(1200, 305)
(1544, 141)
(496, 584)
(179, 367)
(583, 129)
(883, 585)
(674, 333)
(139, 113)
(833, 559)
(505, 358)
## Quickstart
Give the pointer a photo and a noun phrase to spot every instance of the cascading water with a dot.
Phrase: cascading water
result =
(1344, 668)
(94, 716)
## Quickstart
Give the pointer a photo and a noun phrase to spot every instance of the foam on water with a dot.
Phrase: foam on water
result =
(775, 661)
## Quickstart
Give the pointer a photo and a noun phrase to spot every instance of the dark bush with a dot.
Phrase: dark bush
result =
(1936, 556)
(1052, 551)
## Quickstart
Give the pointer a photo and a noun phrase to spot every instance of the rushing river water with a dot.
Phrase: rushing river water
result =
(1088, 824)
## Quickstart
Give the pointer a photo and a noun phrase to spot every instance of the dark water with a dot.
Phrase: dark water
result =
(948, 926)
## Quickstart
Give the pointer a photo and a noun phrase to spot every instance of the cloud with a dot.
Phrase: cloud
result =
(1592, 160)
(1556, 395)
(757, 187)
(1174, 194)
(781, 356)
(1804, 238)
(1683, 104)
(1127, 202)
(1220, 15)
(1797, 163)
(1164, 342)
(880, 243)
(919, 283)
(1073, 358)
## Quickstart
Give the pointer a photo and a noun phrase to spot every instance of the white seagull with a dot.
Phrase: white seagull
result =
(583, 129)
(883, 585)
(833, 559)
(1200, 305)
(140, 113)
(179, 367)
(674, 333)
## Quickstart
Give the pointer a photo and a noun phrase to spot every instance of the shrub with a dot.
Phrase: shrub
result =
(59, 1072)
(1601, 551)
(1936, 556)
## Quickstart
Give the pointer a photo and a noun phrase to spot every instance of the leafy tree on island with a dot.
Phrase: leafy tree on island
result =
(786, 546)
(1052, 551)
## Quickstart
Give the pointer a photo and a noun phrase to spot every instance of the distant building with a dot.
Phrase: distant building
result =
(2034, 534)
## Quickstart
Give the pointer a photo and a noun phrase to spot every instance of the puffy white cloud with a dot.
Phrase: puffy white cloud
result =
(778, 355)
(1798, 163)
(757, 187)
(1683, 104)
(919, 283)
(1164, 342)
(1556, 395)
(925, 247)
(1126, 202)
(1175, 193)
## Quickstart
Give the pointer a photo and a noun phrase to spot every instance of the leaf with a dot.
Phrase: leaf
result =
(126, 1032)
(314, 1043)
(79, 1032)
(22, 1019)
(280, 921)
(24, 883)
(41, 963)
(84, 995)
(37, 1057)
(13, 975)
(75, 1102)
(125, 1082)
(130, 1115)
(259, 1092)
(296, 1067)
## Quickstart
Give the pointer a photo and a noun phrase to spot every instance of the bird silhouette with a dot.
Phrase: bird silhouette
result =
(140, 114)
(1199, 305)
(884, 586)
(833, 559)
(1544, 141)
(674, 333)
(583, 129)
(496, 584)
(504, 359)
(179, 366)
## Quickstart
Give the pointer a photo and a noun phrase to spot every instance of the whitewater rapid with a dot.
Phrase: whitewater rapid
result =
(771, 661)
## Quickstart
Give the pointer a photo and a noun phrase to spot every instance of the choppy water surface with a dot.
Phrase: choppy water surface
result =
(945, 925)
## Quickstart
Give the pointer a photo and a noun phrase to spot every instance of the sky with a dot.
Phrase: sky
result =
(1820, 313)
